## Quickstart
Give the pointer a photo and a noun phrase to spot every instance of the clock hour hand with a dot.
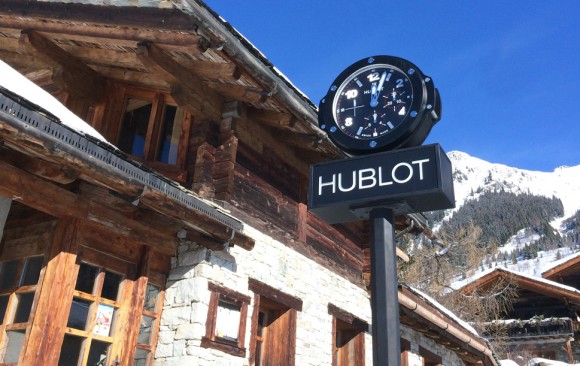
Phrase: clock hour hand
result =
(376, 90)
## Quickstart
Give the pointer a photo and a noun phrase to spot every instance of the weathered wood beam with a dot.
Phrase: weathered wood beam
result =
(152, 17)
(187, 88)
(128, 59)
(299, 139)
(256, 137)
(240, 92)
(115, 23)
(272, 118)
(103, 56)
(194, 219)
(207, 241)
(189, 98)
(47, 197)
(20, 59)
(34, 146)
(134, 77)
(70, 73)
(10, 43)
(213, 70)
(54, 172)
(157, 60)
(105, 197)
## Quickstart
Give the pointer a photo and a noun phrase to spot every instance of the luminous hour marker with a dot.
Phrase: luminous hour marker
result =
(358, 82)
(351, 94)
(360, 130)
(390, 125)
(402, 111)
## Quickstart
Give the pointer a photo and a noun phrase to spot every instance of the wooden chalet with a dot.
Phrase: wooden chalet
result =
(165, 222)
(543, 320)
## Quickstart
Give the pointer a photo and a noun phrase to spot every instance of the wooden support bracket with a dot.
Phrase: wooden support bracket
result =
(69, 73)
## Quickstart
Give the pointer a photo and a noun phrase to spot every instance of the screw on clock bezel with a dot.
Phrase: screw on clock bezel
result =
(423, 113)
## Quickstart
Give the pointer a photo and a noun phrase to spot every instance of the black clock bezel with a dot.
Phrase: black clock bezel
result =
(411, 131)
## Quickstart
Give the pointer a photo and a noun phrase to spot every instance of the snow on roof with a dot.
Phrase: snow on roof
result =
(19, 84)
(444, 310)
(545, 362)
(559, 262)
(519, 274)
(456, 285)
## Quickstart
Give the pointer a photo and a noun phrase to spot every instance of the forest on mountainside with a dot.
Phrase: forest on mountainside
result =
(502, 214)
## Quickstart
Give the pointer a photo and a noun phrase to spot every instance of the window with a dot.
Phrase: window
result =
(153, 128)
(226, 320)
(273, 340)
(18, 282)
(429, 358)
(348, 338)
(91, 321)
(148, 325)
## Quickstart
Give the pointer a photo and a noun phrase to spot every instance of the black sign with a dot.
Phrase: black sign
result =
(409, 180)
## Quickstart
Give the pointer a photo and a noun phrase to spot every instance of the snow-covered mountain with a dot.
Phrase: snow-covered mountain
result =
(472, 175)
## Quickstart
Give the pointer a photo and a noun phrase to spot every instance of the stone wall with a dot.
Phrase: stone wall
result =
(187, 301)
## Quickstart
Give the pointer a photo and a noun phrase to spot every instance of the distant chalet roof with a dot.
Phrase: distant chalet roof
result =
(536, 284)
(563, 267)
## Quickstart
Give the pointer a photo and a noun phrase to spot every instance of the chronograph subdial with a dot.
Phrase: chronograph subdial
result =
(397, 102)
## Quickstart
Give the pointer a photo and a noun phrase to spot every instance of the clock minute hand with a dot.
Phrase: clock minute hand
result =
(374, 95)
(376, 90)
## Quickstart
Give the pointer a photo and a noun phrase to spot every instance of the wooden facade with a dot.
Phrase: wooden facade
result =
(543, 318)
(206, 140)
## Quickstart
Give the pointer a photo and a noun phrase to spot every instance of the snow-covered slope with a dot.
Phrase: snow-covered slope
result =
(471, 175)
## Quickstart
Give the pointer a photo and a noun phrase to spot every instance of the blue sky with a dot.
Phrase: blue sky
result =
(508, 71)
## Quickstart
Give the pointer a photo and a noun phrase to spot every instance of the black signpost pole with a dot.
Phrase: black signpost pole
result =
(384, 289)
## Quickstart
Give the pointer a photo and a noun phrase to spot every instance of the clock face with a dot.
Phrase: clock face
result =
(373, 101)
(379, 103)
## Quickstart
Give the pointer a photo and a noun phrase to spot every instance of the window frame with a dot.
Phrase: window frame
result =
(96, 300)
(13, 293)
(210, 340)
(429, 358)
(267, 298)
(158, 101)
(104, 262)
(158, 281)
(344, 321)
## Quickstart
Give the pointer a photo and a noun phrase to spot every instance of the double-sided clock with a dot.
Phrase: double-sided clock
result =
(379, 103)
